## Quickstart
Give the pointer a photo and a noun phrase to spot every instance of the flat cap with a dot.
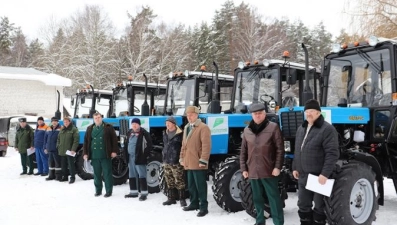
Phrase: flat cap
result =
(257, 107)
(23, 119)
(192, 109)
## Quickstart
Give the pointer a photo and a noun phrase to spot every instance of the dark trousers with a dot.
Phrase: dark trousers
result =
(197, 185)
(270, 187)
(68, 162)
(27, 160)
(102, 167)
(306, 198)
(54, 162)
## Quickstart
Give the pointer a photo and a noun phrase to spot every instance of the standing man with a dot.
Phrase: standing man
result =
(261, 159)
(316, 152)
(173, 171)
(195, 154)
(24, 141)
(41, 157)
(137, 147)
(100, 146)
(68, 140)
(50, 148)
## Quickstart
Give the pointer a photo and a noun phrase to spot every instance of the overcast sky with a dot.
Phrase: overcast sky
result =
(30, 15)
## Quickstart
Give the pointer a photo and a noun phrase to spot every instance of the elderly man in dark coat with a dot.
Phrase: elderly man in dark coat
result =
(261, 159)
(316, 152)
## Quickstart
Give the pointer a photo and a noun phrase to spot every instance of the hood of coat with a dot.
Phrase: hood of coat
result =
(178, 130)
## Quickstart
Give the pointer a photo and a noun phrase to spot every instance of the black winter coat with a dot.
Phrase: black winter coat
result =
(143, 147)
(320, 151)
(172, 147)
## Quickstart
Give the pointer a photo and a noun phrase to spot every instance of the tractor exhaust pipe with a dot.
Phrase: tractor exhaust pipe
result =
(58, 112)
(145, 107)
(215, 104)
(307, 92)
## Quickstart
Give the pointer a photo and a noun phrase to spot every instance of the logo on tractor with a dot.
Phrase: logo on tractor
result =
(83, 124)
(218, 125)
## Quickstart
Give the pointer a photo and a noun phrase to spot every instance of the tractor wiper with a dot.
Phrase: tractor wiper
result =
(253, 74)
(368, 59)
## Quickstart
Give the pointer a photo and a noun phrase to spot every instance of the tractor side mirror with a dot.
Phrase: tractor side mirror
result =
(82, 99)
(291, 76)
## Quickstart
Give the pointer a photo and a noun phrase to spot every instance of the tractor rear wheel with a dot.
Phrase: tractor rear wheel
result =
(354, 198)
(226, 185)
(82, 171)
(119, 170)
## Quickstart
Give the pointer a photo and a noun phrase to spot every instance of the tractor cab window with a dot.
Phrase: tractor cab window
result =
(180, 95)
(207, 93)
(256, 86)
(362, 78)
(380, 123)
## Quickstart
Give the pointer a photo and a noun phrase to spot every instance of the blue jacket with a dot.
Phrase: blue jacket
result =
(39, 136)
(50, 138)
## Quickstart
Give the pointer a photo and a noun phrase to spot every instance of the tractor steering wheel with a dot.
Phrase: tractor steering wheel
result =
(261, 97)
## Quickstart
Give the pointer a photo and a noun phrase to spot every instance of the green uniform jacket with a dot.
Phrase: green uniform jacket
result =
(68, 139)
(24, 139)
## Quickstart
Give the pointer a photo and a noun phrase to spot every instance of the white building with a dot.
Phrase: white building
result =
(29, 91)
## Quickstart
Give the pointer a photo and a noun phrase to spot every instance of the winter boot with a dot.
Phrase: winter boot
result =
(64, 178)
(182, 198)
(171, 198)
(144, 191)
(319, 219)
(58, 175)
(306, 217)
(133, 189)
(51, 175)
(72, 180)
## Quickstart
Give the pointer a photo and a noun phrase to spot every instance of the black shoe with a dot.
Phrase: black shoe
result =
(36, 174)
(131, 195)
(44, 174)
(97, 194)
(50, 178)
(190, 208)
(142, 197)
(202, 213)
(30, 173)
(23, 173)
(182, 202)
(169, 202)
(72, 179)
(107, 195)
(64, 179)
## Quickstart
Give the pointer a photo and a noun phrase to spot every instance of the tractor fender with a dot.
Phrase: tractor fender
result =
(371, 161)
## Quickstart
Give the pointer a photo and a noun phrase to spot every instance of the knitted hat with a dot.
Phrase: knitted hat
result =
(40, 118)
(136, 120)
(192, 109)
(312, 104)
(171, 119)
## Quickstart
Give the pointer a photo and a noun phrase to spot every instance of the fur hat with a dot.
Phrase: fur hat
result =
(312, 104)
(136, 120)
(192, 109)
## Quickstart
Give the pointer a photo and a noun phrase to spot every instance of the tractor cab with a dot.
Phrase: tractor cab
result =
(88, 101)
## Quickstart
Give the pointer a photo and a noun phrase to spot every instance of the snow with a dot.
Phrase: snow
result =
(32, 200)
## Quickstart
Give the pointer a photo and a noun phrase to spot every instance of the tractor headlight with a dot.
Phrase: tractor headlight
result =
(287, 146)
(373, 40)
(267, 62)
(241, 65)
(335, 48)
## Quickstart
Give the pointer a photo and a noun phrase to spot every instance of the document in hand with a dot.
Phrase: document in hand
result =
(30, 151)
(70, 153)
(313, 185)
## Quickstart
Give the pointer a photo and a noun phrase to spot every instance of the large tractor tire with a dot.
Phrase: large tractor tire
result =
(119, 170)
(164, 186)
(83, 172)
(247, 198)
(153, 171)
(226, 185)
(354, 198)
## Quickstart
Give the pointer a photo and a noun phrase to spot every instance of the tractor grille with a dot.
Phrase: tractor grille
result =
(124, 127)
(290, 122)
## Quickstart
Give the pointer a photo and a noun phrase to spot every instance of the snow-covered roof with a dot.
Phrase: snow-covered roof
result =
(19, 73)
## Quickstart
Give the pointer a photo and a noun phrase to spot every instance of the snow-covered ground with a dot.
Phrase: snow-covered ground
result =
(32, 200)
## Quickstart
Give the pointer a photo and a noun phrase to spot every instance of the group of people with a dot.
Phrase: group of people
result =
(261, 160)
(50, 145)
(187, 152)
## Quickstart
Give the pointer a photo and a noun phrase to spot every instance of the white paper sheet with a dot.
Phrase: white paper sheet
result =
(313, 185)
(30, 151)
(70, 153)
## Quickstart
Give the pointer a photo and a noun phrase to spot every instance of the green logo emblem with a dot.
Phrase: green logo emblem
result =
(218, 121)
(85, 123)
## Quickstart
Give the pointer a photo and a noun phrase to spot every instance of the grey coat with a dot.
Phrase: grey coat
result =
(320, 151)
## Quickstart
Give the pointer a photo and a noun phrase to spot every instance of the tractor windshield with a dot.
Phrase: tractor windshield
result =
(361, 78)
(180, 95)
(85, 102)
(256, 86)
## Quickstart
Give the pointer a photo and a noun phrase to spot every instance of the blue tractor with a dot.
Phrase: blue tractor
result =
(275, 83)
(359, 97)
